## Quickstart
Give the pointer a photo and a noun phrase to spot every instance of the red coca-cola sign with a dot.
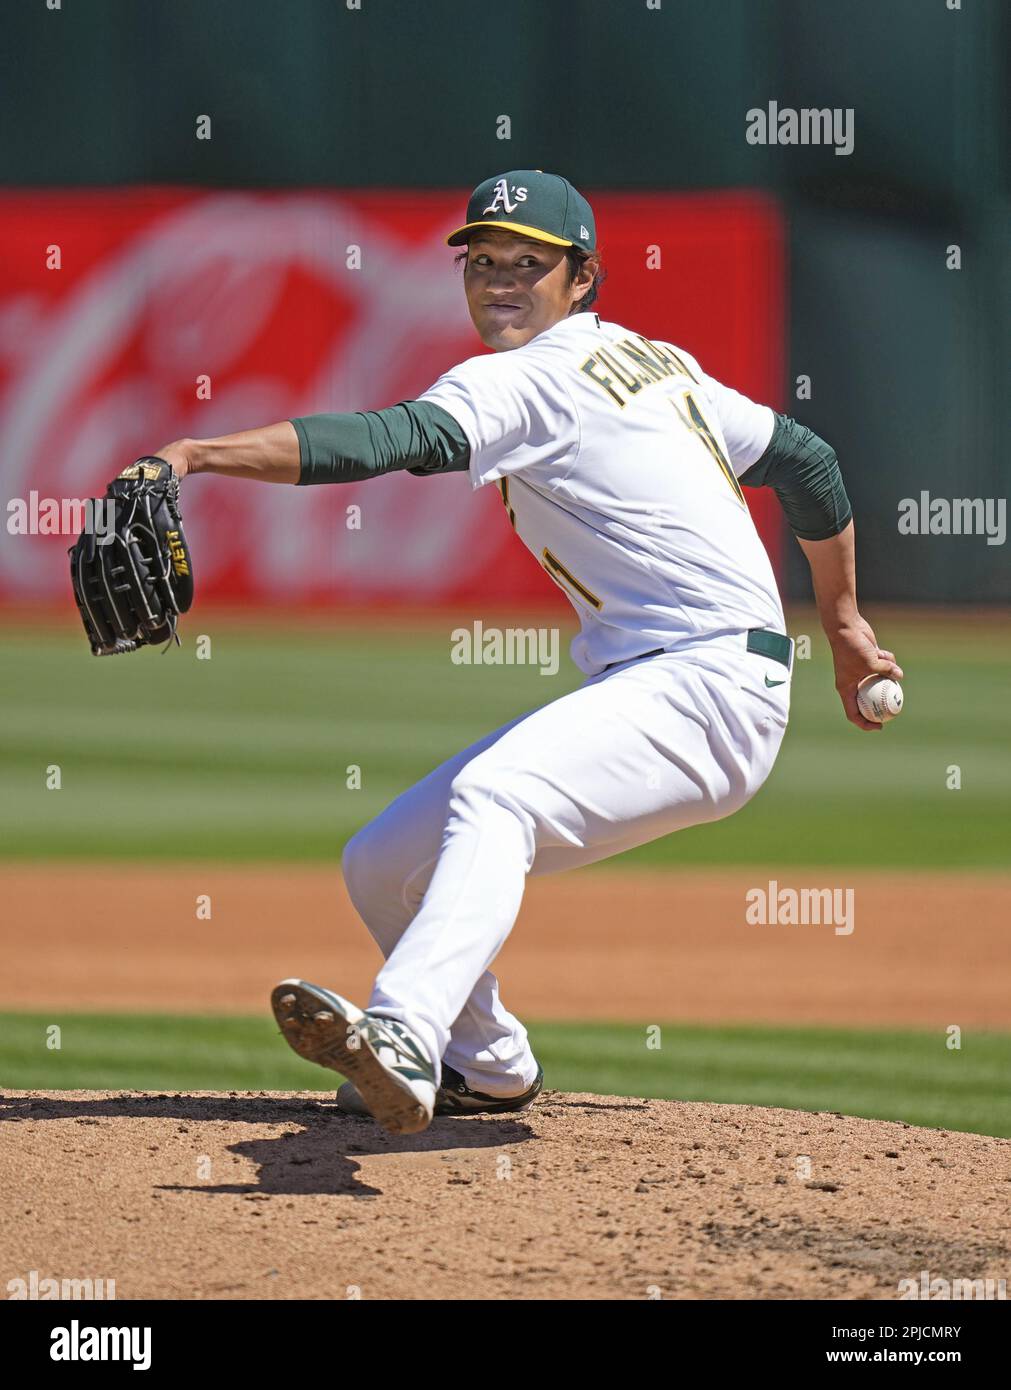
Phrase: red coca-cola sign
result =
(130, 318)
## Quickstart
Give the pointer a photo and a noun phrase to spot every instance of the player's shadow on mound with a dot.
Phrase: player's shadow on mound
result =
(321, 1156)
(324, 1158)
(238, 1107)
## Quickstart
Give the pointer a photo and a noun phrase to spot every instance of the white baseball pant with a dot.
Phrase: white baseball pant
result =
(639, 751)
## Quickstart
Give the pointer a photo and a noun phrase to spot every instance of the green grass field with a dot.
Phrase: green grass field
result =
(244, 756)
(908, 1076)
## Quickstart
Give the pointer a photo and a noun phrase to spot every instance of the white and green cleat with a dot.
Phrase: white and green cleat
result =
(454, 1097)
(390, 1068)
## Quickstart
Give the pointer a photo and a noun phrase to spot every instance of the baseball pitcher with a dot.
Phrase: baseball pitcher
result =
(621, 464)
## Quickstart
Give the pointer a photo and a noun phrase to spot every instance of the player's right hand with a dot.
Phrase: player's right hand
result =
(856, 655)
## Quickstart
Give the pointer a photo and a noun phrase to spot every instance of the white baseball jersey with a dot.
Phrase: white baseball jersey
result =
(617, 459)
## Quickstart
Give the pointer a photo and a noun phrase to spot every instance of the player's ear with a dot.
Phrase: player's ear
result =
(582, 280)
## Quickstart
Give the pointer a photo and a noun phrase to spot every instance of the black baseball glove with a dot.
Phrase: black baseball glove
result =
(132, 582)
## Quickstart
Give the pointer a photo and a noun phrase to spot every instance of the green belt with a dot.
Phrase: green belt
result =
(775, 645)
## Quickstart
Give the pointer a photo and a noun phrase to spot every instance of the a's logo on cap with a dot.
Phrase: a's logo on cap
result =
(501, 198)
(584, 235)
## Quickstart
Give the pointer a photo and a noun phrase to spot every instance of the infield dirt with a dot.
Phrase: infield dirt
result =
(277, 1196)
(927, 949)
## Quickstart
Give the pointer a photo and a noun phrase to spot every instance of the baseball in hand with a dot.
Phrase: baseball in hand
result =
(879, 699)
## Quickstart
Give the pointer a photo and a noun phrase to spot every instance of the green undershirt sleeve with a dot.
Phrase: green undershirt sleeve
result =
(415, 436)
(803, 472)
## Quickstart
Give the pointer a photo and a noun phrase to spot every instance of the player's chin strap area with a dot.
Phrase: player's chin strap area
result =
(762, 641)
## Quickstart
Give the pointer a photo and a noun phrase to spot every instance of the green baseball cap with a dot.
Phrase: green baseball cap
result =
(544, 207)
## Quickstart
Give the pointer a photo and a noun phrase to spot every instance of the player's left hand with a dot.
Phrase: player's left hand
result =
(131, 586)
(177, 456)
(856, 655)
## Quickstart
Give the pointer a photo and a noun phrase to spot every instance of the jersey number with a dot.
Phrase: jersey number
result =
(696, 422)
(563, 577)
(566, 580)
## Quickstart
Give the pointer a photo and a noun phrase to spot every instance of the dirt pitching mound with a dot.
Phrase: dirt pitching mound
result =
(278, 1196)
